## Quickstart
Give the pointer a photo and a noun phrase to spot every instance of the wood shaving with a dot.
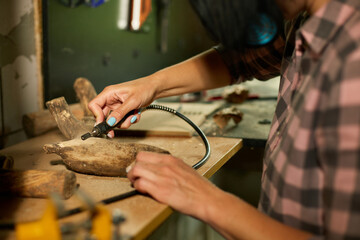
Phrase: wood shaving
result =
(222, 118)
(236, 94)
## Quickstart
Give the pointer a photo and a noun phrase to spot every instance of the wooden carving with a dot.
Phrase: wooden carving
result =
(85, 92)
(68, 124)
(40, 122)
(99, 156)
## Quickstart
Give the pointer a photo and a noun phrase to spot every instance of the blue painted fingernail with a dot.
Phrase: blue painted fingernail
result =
(111, 121)
(133, 119)
(139, 111)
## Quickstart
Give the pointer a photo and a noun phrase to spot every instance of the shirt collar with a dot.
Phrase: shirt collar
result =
(323, 25)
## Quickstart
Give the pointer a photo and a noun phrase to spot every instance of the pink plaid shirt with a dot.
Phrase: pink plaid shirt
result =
(311, 174)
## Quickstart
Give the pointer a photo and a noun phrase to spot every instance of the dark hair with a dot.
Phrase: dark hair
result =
(229, 21)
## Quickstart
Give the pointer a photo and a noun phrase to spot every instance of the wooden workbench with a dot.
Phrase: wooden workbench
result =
(143, 214)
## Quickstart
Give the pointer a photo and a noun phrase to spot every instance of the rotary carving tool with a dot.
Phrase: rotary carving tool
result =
(103, 128)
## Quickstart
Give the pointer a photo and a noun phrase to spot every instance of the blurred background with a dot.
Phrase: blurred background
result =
(89, 42)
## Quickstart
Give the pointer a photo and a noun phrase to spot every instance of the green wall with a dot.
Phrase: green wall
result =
(85, 42)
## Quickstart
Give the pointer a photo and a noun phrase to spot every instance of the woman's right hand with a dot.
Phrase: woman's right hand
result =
(117, 100)
(204, 71)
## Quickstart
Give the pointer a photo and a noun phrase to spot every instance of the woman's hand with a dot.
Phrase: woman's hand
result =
(171, 181)
(117, 100)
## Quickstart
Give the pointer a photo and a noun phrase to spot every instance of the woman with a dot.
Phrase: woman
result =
(311, 181)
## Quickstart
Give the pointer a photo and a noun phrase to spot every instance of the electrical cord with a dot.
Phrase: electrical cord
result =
(196, 128)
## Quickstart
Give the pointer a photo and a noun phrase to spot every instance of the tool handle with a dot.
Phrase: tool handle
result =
(105, 128)
(37, 183)
(132, 112)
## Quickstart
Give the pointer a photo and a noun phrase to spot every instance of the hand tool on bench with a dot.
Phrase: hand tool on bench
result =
(34, 183)
(37, 183)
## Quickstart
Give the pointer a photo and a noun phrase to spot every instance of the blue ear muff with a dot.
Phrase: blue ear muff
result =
(262, 32)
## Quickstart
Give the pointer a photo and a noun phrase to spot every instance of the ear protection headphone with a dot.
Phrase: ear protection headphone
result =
(239, 24)
(261, 32)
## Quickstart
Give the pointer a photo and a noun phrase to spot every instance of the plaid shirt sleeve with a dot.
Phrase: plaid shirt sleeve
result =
(261, 63)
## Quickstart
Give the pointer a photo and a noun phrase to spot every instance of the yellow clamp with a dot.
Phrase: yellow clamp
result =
(101, 223)
(45, 228)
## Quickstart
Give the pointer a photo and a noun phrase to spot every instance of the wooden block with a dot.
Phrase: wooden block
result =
(37, 123)
(68, 124)
(37, 183)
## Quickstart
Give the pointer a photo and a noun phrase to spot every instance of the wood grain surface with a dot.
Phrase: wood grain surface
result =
(143, 214)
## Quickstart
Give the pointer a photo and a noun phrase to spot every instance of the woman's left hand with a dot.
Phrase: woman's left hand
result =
(171, 181)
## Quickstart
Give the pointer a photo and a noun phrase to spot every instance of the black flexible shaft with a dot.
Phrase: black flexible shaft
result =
(196, 128)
